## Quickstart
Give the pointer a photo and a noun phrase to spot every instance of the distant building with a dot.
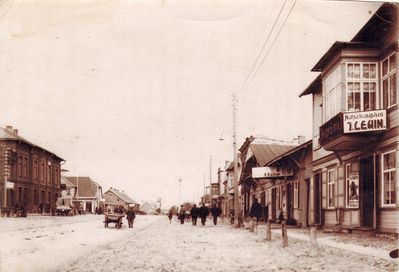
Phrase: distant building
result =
(114, 197)
(88, 193)
(30, 173)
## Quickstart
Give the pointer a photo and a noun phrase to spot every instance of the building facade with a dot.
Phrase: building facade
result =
(114, 198)
(355, 130)
(30, 175)
(88, 196)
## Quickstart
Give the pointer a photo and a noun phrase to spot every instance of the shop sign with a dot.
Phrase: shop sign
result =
(364, 121)
(331, 130)
(353, 190)
(271, 172)
(10, 185)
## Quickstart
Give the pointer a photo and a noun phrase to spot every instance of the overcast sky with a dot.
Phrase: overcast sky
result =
(136, 94)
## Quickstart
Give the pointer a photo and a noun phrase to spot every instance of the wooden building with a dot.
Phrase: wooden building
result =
(30, 175)
(288, 184)
(114, 198)
(355, 129)
(88, 196)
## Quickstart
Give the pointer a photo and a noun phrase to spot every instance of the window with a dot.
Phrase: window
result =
(25, 167)
(332, 88)
(49, 174)
(361, 86)
(388, 178)
(19, 168)
(331, 178)
(35, 170)
(352, 185)
(388, 81)
(296, 195)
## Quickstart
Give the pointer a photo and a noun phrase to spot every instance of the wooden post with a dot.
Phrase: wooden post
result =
(284, 233)
(251, 225)
(314, 248)
(268, 231)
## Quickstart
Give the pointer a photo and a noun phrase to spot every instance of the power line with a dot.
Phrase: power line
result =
(263, 47)
(275, 39)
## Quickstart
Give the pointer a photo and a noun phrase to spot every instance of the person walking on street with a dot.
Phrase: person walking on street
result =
(256, 210)
(194, 214)
(130, 215)
(203, 212)
(170, 215)
(232, 216)
(215, 211)
(182, 214)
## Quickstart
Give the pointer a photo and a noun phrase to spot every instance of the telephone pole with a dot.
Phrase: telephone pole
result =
(237, 206)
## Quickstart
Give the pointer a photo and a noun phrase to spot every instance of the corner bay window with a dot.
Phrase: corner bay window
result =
(389, 178)
(361, 86)
(332, 88)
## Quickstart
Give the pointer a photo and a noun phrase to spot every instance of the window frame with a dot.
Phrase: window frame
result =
(383, 171)
(387, 76)
(327, 101)
(296, 194)
(361, 80)
(332, 184)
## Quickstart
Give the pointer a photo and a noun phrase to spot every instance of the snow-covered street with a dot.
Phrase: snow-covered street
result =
(81, 243)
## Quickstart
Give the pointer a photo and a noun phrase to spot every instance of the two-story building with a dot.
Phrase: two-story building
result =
(355, 129)
(30, 175)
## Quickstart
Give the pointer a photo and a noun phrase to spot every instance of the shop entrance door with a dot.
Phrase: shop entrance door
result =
(317, 199)
(367, 192)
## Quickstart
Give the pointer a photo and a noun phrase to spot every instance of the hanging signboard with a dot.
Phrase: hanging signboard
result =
(9, 185)
(353, 190)
(271, 172)
(364, 121)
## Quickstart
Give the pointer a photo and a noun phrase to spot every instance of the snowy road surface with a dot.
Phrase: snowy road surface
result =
(81, 243)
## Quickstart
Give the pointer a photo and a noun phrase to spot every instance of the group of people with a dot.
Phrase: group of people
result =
(195, 213)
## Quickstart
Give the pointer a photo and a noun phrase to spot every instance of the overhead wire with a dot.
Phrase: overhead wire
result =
(273, 42)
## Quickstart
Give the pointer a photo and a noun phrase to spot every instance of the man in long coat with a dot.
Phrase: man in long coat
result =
(203, 212)
(130, 215)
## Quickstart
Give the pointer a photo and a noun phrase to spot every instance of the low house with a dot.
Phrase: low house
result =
(88, 194)
(114, 198)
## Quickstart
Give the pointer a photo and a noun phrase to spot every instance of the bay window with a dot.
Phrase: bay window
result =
(332, 88)
(388, 178)
(361, 86)
(388, 81)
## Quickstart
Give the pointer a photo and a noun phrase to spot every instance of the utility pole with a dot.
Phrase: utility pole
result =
(237, 206)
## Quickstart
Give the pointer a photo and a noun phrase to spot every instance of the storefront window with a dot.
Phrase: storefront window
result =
(331, 179)
(389, 178)
(352, 186)
(361, 86)
(388, 78)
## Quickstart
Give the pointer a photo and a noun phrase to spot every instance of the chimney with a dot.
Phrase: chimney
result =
(9, 128)
(15, 131)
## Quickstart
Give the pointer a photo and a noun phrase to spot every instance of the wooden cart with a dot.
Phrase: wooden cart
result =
(115, 218)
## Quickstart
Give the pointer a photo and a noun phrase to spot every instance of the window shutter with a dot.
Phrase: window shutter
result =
(340, 188)
(324, 189)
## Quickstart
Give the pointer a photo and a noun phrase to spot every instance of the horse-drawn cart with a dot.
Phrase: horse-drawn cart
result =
(115, 218)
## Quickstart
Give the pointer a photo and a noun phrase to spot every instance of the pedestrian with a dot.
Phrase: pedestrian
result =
(194, 214)
(130, 215)
(203, 212)
(182, 214)
(170, 215)
(256, 210)
(215, 211)
(231, 216)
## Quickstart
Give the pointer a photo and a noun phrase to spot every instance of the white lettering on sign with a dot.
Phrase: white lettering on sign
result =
(271, 172)
(365, 121)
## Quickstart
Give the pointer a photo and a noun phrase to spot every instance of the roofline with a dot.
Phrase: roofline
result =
(332, 52)
(295, 149)
(314, 86)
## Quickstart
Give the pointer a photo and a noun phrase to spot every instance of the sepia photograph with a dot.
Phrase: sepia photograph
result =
(199, 135)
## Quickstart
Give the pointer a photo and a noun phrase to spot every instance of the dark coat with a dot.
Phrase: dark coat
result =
(194, 212)
(215, 211)
(203, 211)
(130, 214)
(256, 210)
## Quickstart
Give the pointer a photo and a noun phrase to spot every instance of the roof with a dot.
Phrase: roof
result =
(86, 187)
(231, 166)
(292, 151)
(12, 135)
(382, 22)
(121, 195)
(264, 153)
(336, 49)
(313, 87)
(67, 183)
